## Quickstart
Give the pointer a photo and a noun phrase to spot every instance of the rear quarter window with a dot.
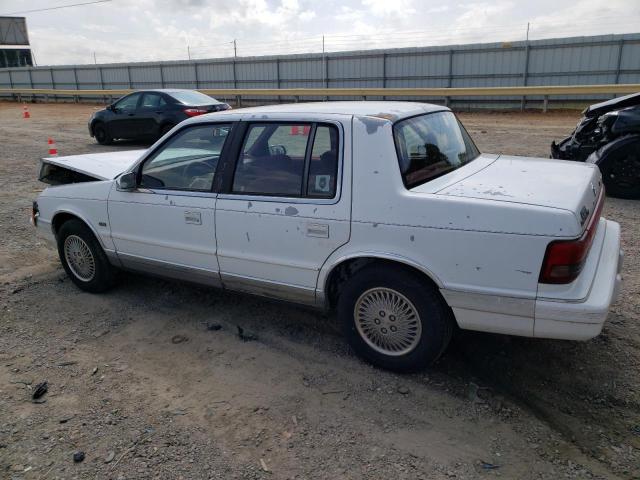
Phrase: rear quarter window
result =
(431, 145)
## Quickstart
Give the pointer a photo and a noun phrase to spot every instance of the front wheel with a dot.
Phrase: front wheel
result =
(394, 319)
(83, 258)
(100, 132)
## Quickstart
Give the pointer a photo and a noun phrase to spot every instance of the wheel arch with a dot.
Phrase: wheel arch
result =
(62, 216)
(604, 154)
(340, 270)
(95, 122)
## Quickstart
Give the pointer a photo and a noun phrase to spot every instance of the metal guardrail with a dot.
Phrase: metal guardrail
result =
(296, 93)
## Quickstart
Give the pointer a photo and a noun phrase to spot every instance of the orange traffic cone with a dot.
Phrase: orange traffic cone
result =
(25, 112)
(53, 151)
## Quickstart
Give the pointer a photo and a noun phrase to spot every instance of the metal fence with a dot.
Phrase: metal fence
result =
(605, 59)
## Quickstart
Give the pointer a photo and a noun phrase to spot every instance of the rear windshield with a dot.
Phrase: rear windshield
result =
(193, 98)
(431, 145)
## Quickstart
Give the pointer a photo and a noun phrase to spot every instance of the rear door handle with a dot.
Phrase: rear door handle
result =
(318, 230)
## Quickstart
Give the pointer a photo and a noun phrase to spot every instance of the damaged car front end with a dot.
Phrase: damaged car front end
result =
(608, 135)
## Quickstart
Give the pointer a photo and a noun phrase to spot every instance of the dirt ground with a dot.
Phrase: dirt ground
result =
(141, 385)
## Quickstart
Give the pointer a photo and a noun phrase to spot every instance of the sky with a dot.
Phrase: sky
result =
(144, 30)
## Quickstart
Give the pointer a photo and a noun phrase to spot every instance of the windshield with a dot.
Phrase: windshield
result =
(431, 145)
(193, 98)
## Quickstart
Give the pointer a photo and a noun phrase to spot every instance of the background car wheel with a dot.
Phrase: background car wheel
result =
(83, 258)
(621, 174)
(100, 132)
(394, 319)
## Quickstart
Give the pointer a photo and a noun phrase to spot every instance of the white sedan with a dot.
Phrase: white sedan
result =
(383, 211)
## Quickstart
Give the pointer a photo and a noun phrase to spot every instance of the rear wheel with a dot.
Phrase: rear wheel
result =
(83, 258)
(621, 173)
(100, 132)
(394, 319)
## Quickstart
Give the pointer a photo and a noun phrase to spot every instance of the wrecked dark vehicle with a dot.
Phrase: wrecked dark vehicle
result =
(608, 135)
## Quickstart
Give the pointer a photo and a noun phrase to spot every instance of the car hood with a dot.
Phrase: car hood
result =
(556, 184)
(614, 104)
(101, 166)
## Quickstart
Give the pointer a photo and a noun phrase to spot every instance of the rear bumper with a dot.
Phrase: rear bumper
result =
(582, 320)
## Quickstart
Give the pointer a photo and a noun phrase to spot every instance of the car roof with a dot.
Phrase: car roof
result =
(168, 90)
(392, 111)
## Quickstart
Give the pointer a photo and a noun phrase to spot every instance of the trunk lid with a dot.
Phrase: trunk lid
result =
(558, 184)
(99, 166)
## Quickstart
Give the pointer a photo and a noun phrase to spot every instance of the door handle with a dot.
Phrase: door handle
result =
(318, 230)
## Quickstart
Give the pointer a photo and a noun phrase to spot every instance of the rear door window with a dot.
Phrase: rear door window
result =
(293, 160)
(152, 100)
(323, 165)
(272, 160)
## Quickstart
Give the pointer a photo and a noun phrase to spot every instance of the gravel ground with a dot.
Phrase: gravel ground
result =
(140, 384)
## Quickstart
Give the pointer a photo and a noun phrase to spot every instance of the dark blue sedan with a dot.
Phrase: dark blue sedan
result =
(149, 114)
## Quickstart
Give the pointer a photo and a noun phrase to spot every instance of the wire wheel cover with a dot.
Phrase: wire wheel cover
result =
(79, 258)
(387, 321)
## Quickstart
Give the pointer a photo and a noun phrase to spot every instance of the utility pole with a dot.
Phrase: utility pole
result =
(235, 48)
(94, 58)
(325, 78)
(527, 31)
(188, 52)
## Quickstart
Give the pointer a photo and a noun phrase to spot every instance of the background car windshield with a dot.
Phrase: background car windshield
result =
(431, 145)
(193, 98)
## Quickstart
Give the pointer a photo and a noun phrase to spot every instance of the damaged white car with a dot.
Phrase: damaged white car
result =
(384, 211)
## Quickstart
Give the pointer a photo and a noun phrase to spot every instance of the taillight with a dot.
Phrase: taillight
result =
(564, 259)
(194, 112)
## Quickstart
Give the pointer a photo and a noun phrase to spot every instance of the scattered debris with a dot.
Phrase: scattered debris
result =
(294, 419)
(403, 390)
(23, 382)
(135, 444)
(94, 371)
(66, 419)
(40, 390)
(214, 327)
(110, 456)
(489, 466)
(245, 336)
(68, 363)
(264, 466)
(17, 290)
(330, 392)
(78, 456)
(179, 339)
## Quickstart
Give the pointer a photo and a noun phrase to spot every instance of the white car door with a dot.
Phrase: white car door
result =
(285, 209)
(166, 224)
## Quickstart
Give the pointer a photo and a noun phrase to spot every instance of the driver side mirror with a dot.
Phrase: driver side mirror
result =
(126, 181)
(111, 107)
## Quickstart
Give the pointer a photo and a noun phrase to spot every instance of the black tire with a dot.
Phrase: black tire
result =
(434, 315)
(621, 172)
(101, 134)
(76, 232)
